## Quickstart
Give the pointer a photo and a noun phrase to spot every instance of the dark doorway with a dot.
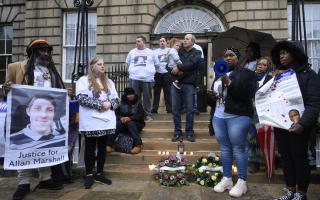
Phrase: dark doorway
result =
(202, 82)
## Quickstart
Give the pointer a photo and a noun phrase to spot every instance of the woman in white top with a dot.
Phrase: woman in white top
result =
(98, 99)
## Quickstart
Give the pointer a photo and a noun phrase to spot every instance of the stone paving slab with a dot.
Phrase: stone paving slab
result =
(145, 190)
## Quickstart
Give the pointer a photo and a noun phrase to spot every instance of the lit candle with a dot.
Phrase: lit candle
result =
(185, 153)
(163, 153)
(234, 169)
(167, 153)
(151, 167)
(159, 152)
(191, 153)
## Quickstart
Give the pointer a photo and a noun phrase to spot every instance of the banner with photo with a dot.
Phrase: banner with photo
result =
(279, 102)
(3, 111)
(36, 127)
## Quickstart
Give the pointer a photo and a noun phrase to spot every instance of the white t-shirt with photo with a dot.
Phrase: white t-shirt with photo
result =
(42, 76)
(141, 64)
(91, 119)
(162, 59)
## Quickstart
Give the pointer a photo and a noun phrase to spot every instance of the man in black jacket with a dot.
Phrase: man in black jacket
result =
(191, 61)
(293, 143)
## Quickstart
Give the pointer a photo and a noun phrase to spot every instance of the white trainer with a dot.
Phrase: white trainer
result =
(224, 184)
(239, 188)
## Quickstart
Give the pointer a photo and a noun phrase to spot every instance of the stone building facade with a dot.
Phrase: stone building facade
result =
(118, 22)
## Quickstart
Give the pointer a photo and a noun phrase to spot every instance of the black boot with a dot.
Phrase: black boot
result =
(21, 191)
(50, 185)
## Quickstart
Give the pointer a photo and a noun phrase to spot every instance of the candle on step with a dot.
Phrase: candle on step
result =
(167, 153)
(191, 153)
(185, 153)
(163, 153)
(159, 152)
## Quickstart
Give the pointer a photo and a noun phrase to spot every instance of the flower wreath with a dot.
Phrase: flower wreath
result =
(172, 171)
(207, 171)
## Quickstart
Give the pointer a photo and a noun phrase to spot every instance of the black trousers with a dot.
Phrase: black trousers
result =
(293, 149)
(91, 143)
(162, 80)
(132, 129)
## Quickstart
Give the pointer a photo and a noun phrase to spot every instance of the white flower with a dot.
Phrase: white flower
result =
(216, 174)
(214, 164)
(217, 158)
(201, 170)
(207, 172)
(202, 182)
(204, 160)
(193, 165)
(210, 164)
(213, 178)
(198, 179)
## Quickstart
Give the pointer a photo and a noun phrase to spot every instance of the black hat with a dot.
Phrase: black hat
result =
(294, 47)
(36, 44)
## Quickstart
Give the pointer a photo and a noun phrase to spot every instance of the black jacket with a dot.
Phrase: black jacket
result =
(240, 93)
(191, 63)
(131, 109)
(309, 84)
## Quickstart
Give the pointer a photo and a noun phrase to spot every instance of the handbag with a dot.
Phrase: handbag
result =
(123, 143)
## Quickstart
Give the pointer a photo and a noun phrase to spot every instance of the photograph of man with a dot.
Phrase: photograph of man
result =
(294, 116)
(44, 130)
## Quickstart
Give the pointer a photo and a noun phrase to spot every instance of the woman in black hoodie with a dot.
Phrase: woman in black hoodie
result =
(293, 143)
(130, 119)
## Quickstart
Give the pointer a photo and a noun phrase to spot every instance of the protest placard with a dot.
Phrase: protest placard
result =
(3, 110)
(279, 102)
(36, 127)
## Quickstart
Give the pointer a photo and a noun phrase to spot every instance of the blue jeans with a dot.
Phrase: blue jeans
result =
(231, 134)
(184, 96)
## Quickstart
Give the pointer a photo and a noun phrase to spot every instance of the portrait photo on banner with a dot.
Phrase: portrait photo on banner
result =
(37, 126)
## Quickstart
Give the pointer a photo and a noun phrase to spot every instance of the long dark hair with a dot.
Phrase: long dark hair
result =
(56, 80)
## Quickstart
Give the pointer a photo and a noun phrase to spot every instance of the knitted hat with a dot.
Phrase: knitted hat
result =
(36, 44)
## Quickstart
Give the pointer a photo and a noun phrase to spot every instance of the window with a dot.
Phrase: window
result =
(5, 50)
(312, 16)
(69, 41)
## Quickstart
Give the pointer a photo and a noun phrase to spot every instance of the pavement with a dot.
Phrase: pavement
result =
(126, 189)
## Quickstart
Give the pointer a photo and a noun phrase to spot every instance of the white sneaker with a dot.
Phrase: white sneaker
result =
(224, 184)
(239, 188)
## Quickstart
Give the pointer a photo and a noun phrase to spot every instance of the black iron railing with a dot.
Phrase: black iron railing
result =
(118, 73)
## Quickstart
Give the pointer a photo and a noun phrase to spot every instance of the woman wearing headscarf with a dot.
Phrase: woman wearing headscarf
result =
(233, 94)
(293, 143)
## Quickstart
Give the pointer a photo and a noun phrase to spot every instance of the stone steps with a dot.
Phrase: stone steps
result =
(142, 173)
(162, 117)
(201, 133)
(147, 157)
(168, 124)
(165, 144)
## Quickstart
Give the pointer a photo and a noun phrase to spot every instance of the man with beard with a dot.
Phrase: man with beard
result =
(37, 70)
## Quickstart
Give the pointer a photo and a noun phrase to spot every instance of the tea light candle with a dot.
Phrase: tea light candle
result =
(167, 153)
(163, 153)
(191, 153)
(185, 153)
(151, 167)
(159, 152)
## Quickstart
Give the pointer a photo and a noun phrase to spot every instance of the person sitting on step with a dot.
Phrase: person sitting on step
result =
(130, 120)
